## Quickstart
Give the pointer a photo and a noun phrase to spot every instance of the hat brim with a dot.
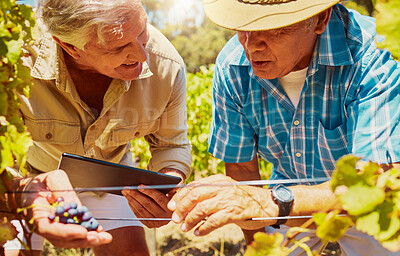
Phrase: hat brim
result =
(238, 15)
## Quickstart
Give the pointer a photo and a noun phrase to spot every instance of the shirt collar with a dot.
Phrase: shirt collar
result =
(50, 65)
(332, 48)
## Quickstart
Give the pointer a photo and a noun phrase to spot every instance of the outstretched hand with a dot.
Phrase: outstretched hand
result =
(59, 234)
(211, 207)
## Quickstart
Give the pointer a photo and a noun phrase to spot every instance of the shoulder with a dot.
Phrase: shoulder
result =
(360, 31)
(160, 48)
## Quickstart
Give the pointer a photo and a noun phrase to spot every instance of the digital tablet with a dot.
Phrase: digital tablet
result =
(85, 172)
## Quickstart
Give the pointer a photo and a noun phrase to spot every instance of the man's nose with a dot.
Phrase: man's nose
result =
(254, 41)
(138, 51)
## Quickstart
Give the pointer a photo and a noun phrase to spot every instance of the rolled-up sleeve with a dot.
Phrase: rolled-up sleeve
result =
(169, 146)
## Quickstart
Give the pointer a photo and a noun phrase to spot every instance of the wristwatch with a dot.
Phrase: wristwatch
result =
(283, 197)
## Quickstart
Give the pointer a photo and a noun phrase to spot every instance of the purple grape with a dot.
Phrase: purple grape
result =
(87, 216)
(67, 206)
(60, 211)
(63, 219)
(85, 224)
(72, 212)
(71, 221)
(82, 210)
(94, 224)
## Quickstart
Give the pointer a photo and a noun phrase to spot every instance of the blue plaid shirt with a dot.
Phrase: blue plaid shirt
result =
(350, 103)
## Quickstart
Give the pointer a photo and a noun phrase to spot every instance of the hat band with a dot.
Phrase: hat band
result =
(266, 1)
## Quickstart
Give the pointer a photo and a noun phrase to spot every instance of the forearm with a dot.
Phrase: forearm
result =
(312, 199)
(243, 171)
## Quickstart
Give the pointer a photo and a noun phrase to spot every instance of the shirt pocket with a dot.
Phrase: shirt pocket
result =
(53, 131)
(332, 144)
(122, 135)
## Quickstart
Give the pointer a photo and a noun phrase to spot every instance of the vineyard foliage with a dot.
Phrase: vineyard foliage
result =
(16, 23)
(371, 200)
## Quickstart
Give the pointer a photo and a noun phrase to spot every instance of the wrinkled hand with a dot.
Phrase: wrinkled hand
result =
(151, 203)
(59, 234)
(216, 206)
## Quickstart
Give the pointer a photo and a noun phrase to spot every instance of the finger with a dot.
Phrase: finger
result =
(93, 238)
(142, 201)
(183, 193)
(189, 202)
(160, 198)
(142, 212)
(213, 222)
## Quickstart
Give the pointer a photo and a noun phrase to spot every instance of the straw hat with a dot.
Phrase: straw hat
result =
(253, 15)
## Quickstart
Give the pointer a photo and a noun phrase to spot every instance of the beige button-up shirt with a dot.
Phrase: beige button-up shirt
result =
(152, 106)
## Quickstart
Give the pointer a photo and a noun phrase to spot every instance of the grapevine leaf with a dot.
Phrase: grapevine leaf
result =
(361, 199)
(389, 222)
(345, 173)
(369, 223)
(389, 179)
(14, 51)
(392, 244)
(5, 154)
(7, 231)
(3, 48)
(267, 245)
(368, 172)
(331, 227)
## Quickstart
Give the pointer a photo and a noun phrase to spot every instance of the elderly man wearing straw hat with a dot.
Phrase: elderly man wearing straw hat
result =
(302, 84)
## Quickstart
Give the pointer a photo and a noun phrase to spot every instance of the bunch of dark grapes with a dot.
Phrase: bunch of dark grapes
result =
(70, 213)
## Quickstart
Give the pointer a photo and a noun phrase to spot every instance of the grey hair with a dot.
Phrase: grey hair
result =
(77, 21)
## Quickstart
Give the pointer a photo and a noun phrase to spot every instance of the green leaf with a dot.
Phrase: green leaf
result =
(267, 245)
(392, 244)
(7, 231)
(345, 173)
(331, 227)
(369, 223)
(14, 50)
(389, 179)
(362, 199)
(389, 222)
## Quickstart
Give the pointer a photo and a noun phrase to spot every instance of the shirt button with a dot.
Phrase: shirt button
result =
(137, 134)
(298, 154)
(296, 122)
(49, 136)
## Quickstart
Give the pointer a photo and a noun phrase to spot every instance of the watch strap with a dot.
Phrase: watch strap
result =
(284, 208)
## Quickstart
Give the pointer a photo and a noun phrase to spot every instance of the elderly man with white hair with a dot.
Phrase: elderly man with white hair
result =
(103, 77)
(302, 84)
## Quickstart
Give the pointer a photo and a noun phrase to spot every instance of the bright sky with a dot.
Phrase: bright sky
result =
(186, 9)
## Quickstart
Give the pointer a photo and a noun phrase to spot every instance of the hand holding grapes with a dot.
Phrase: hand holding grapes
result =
(59, 234)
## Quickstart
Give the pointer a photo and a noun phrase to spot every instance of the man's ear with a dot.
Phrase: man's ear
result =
(69, 48)
(322, 20)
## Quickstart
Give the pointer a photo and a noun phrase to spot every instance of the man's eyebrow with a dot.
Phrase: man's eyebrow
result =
(123, 46)
(119, 47)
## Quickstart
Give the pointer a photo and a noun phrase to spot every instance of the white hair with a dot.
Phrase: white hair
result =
(77, 21)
